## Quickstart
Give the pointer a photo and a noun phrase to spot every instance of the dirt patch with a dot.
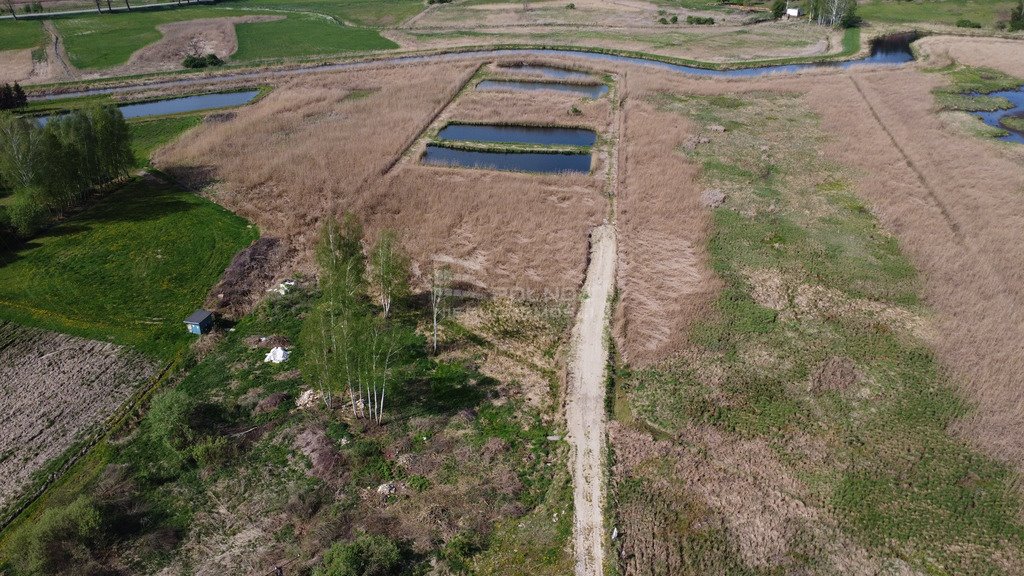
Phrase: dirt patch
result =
(836, 374)
(246, 280)
(56, 388)
(205, 36)
(324, 458)
(15, 65)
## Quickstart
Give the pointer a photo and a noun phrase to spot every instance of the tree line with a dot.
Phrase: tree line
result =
(355, 345)
(52, 168)
(12, 97)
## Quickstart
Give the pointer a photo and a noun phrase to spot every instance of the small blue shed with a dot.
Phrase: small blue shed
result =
(200, 321)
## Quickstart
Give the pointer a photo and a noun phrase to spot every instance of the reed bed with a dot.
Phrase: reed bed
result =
(310, 149)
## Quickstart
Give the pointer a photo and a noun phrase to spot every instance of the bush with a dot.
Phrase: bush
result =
(965, 23)
(367, 555)
(1017, 18)
(192, 61)
(779, 9)
(674, 19)
(662, 21)
(570, 6)
(60, 541)
(700, 20)
(26, 213)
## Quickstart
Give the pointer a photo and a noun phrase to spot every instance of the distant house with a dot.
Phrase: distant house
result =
(200, 321)
(794, 12)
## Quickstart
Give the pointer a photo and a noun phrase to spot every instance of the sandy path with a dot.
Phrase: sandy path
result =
(585, 410)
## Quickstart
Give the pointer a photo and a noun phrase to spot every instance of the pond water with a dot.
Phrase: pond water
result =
(546, 162)
(994, 119)
(549, 71)
(184, 104)
(585, 90)
(518, 134)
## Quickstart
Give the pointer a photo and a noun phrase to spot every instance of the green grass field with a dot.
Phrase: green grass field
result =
(126, 270)
(301, 36)
(984, 12)
(360, 12)
(150, 134)
(21, 34)
(95, 41)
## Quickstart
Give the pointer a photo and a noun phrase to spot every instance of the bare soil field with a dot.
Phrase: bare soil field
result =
(55, 389)
(15, 65)
(200, 37)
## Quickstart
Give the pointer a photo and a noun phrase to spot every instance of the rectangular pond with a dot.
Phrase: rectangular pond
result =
(549, 71)
(544, 162)
(184, 104)
(549, 135)
(585, 90)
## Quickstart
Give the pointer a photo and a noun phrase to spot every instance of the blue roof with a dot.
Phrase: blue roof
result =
(198, 316)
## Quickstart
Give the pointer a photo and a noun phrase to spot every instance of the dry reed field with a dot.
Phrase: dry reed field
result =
(310, 147)
(55, 389)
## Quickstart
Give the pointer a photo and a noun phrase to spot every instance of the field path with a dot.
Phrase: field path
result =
(585, 410)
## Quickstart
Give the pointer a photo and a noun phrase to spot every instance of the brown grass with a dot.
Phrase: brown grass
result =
(663, 275)
(307, 150)
(1002, 54)
(55, 389)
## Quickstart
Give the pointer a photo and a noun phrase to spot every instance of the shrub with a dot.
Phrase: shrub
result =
(574, 111)
(1017, 18)
(779, 9)
(192, 61)
(700, 20)
(662, 21)
(168, 433)
(965, 23)
(570, 6)
(367, 555)
(26, 213)
(60, 541)
(674, 19)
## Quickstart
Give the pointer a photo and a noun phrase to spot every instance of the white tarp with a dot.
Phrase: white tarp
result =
(277, 355)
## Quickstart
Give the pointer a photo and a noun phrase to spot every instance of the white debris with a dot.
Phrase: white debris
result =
(386, 489)
(308, 399)
(282, 288)
(277, 355)
(554, 438)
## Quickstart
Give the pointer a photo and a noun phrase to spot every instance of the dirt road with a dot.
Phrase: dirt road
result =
(585, 411)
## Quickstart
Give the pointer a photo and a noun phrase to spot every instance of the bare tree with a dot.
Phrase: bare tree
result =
(98, 9)
(390, 270)
(10, 7)
(440, 288)
(128, 5)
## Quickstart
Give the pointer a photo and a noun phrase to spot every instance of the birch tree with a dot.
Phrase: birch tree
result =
(389, 271)
(440, 288)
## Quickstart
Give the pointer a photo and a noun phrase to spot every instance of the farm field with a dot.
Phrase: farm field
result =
(138, 262)
(530, 311)
(55, 388)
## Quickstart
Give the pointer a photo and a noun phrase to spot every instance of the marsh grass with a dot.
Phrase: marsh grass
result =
(808, 276)
(970, 87)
